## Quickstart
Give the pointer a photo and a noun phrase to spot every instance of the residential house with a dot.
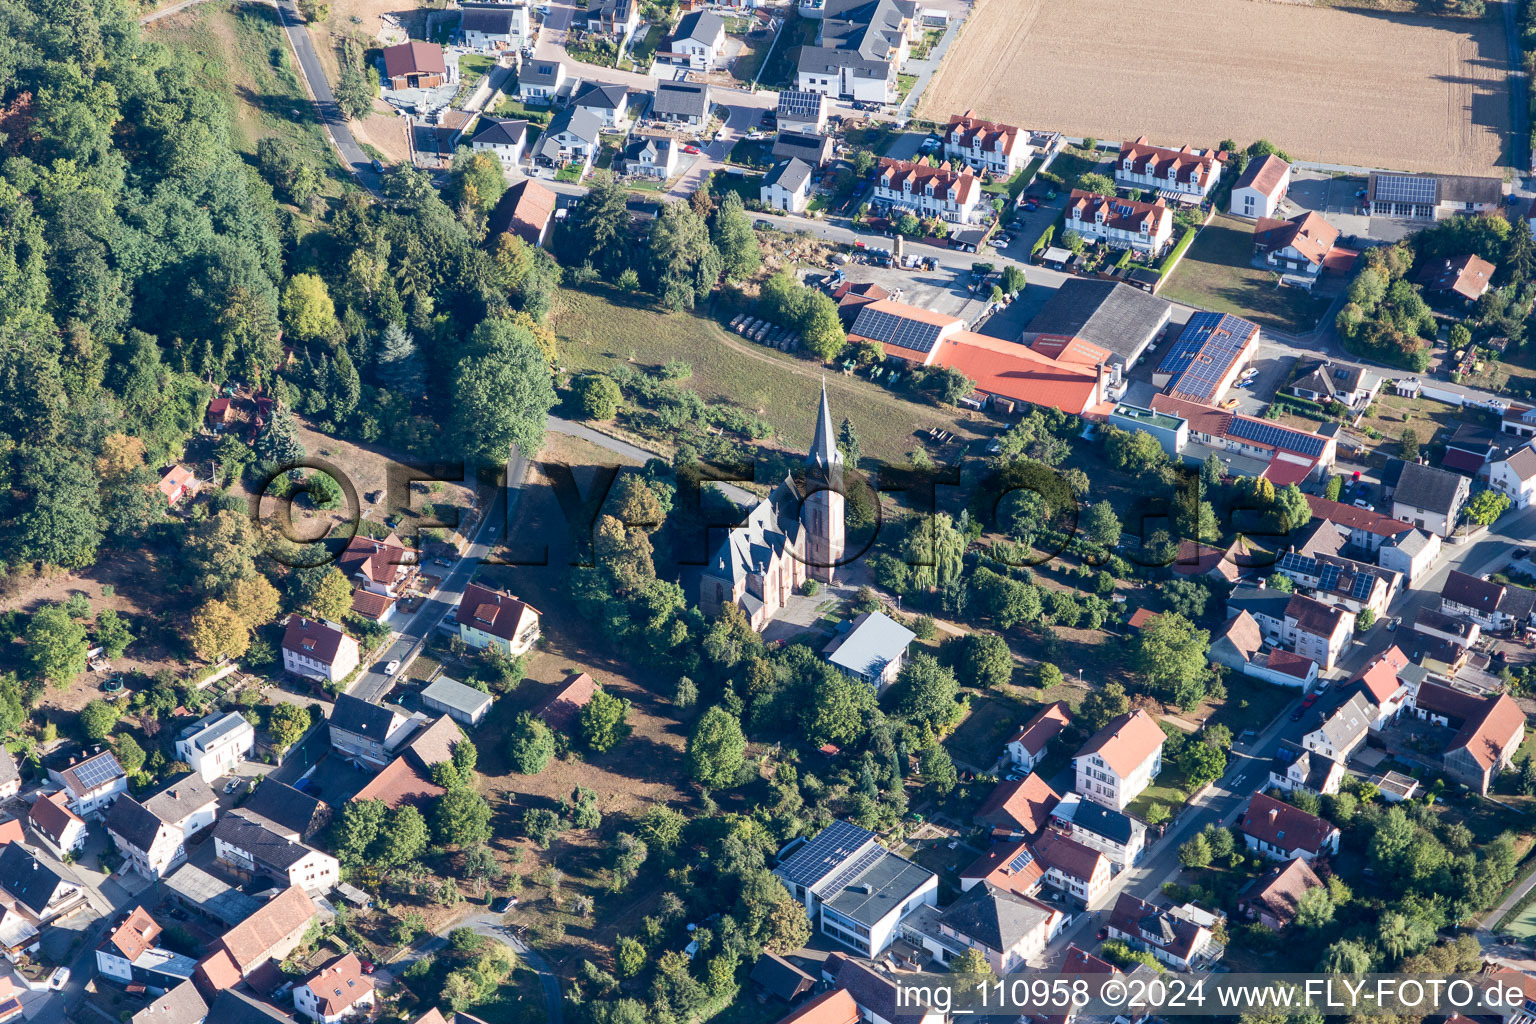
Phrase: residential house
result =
(1026, 747)
(1118, 318)
(181, 1005)
(607, 102)
(1469, 450)
(1340, 582)
(616, 19)
(1074, 868)
(1360, 527)
(1240, 643)
(1017, 808)
(1279, 831)
(651, 157)
(853, 889)
(10, 775)
(270, 933)
(370, 734)
(1316, 630)
(1411, 553)
(1305, 244)
(1382, 686)
(1431, 196)
(1183, 172)
(408, 778)
(1176, 941)
(539, 81)
(1515, 476)
(787, 187)
(811, 147)
(1294, 767)
(1293, 455)
(176, 483)
(41, 894)
(1493, 606)
(799, 111)
(10, 1000)
(1273, 898)
(297, 814)
(875, 993)
(494, 618)
(152, 835)
(504, 138)
(776, 977)
(1324, 382)
(230, 1006)
(1258, 190)
(1118, 836)
(338, 990)
(683, 103)
(1430, 498)
(860, 47)
(1464, 277)
(129, 956)
(1342, 731)
(1009, 866)
(698, 41)
(375, 607)
(1008, 929)
(93, 782)
(464, 704)
(216, 744)
(925, 191)
(1120, 760)
(1000, 149)
(561, 711)
(63, 829)
(525, 209)
(414, 65)
(872, 650)
(249, 846)
(1123, 223)
(315, 650)
(1442, 628)
(572, 137)
(834, 1006)
(494, 26)
(377, 566)
(1206, 359)
(1488, 731)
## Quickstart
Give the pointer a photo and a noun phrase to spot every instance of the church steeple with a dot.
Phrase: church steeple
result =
(824, 453)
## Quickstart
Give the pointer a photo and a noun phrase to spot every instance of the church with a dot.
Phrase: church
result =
(784, 539)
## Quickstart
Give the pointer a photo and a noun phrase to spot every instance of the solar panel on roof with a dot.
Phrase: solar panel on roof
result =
(1362, 589)
(98, 771)
(880, 325)
(850, 871)
(1406, 188)
(1329, 577)
(1276, 436)
(1019, 862)
(1300, 564)
(830, 845)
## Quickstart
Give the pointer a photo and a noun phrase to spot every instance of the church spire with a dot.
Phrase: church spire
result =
(824, 451)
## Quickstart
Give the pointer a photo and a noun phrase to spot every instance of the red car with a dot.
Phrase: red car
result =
(367, 966)
(690, 149)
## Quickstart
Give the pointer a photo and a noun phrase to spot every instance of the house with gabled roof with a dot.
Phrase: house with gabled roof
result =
(92, 782)
(1078, 870)
(986, 145)
(1488, 731)
(1184, 172)
(1008, 865)
(525, 209)
(1342, 730)
(1008, 929)
(1273, 898)
(493, 618)
(152, 847)
(1382, 686)
(1316, 630)
(1305, 244)
(872, 650)
(338, 990)
(925, 191)
(1294, 767)
(181, 1005)
(651, 156)
(41, 893)
(1259, 189)
(130, 955)
(787, 187)
(494, 26)
(1514, 476)
(53, 821)
(1120, 760)
(539, 80)
(573, 136)
(834, 1006)
(1115, 834)
(1493, 606)
(1017, 808)
(272, 932)
(504, 138)
(698, 42)
(563, 708)
(1173, 940)
(414, 64)
(1465, 277)
(607, 101)
(463, 703)
(875, 992)
(686, 103)
(1029, 743)
(293, 812)
(801, 111)
(1124, 223)
(1430, 498)
(315, 650)
(248, 845)
(369, 734)
(408, 778)
(1279, 831)
(776, 977)
(10, 775)
(176, 483)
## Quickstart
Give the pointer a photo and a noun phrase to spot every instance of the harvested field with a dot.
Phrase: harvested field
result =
(1373, 89)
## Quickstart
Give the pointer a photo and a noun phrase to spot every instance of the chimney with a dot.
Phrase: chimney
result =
(1274, 812)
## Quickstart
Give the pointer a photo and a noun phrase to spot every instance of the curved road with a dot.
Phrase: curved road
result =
(491, 926)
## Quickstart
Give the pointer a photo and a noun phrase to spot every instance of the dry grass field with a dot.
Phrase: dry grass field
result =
(1373, 89)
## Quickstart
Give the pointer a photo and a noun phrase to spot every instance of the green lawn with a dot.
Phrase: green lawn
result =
(1072, 163)
(904, 84)
(1251, 704)
(596, 333)
(510, 106)
(570, 172)
(643, 51)
(1161, 792)
(751, 153)
(1523, 924)
(1215, 274)
(473, 67)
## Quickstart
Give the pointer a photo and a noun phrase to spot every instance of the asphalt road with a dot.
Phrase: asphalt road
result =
(491, 925)
(352, 155)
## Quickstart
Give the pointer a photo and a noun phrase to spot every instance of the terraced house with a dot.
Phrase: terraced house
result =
(1175, 172)
(1126, 223)
(925, 191)
(986, 145)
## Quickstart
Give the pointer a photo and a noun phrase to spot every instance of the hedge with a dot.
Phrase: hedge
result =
(1171, 258)
(1044, 240)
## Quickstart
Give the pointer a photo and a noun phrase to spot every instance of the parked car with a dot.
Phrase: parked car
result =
(392, 667)
(1362, 503)
(502, 904)
(59, 979)
(231, 786)
(690, 148)
(1296, 715)
(1396, 621)
(1520, 554)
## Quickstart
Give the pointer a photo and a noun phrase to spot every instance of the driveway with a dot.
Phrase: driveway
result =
(492, 926)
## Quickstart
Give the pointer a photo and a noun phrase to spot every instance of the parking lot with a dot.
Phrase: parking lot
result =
(1337, 200)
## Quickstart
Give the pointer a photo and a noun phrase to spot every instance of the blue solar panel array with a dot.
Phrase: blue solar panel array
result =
(1208, 346)
(1262, 432)
(1300, 564)
(1361, 590)
(98, 771)
(1329, 577)
(830, 846)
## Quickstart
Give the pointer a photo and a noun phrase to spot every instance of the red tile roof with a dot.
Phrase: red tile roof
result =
(560, 711)
(967, 129)
(1022, 806)
(1126, 742)
(1467, 276)
(1279, 890)
(413, 58)
(51, 815)
(1356, 518)
(524, 209)
(135, 935)
(995, 867)
(381, 561)
(962, 188)
(1141, 617)
(1489, 726)
(312, 639)
(176, 478)
(1263, 175)
(340, 984)
(250, 942)
(1045, 726)
(1018, 372)
(1078, 961)
(1380, 677)
(834, 1007)
(370, 605)
(1155, 160)
(493, 611)
(1120, 214)
(400, 782)
(1282, 826)
(1068, 856)
(1308, 233)
(1290, 664)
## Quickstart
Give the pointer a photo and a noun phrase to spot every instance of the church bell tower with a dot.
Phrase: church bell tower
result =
(822, 512)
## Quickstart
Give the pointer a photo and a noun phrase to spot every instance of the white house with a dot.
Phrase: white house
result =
(573, 137)
(1026, 747)
(1295, 768)
(1186, 171)
(51, 818)
(1120, 760)
(1117, 836)
(1279, 831)
(926, 191)
(216, 745)
(1430, 498)
(1515, 476)
(540, 80)
(1316, 630)
(698, 41)
(852, 888)
(129, 955)
(1491, 605)
(338, 990)
(1342, 731)
(495, 26)
(153, 848)
(1133, 224)
(873, 649)
(787, 187)
(986, 145)
(1010, 930)
(251, 847)
(317, 651)
(369, 734)
(801, 111)
(494, 618)
(1261, 186)
(607, 102)
(1300, 245)
(1383, 687)
(1411, 553)
(1172, 939)
(1074, 868)
(651, 157)
(92, 782)
(502, 137)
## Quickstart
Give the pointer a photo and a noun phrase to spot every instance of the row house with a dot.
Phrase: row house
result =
(1341, 582)
(1185, 171)
(1126, 223)
(989, 146)
(1383, 685)
(1120, 760)
(926, 191)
